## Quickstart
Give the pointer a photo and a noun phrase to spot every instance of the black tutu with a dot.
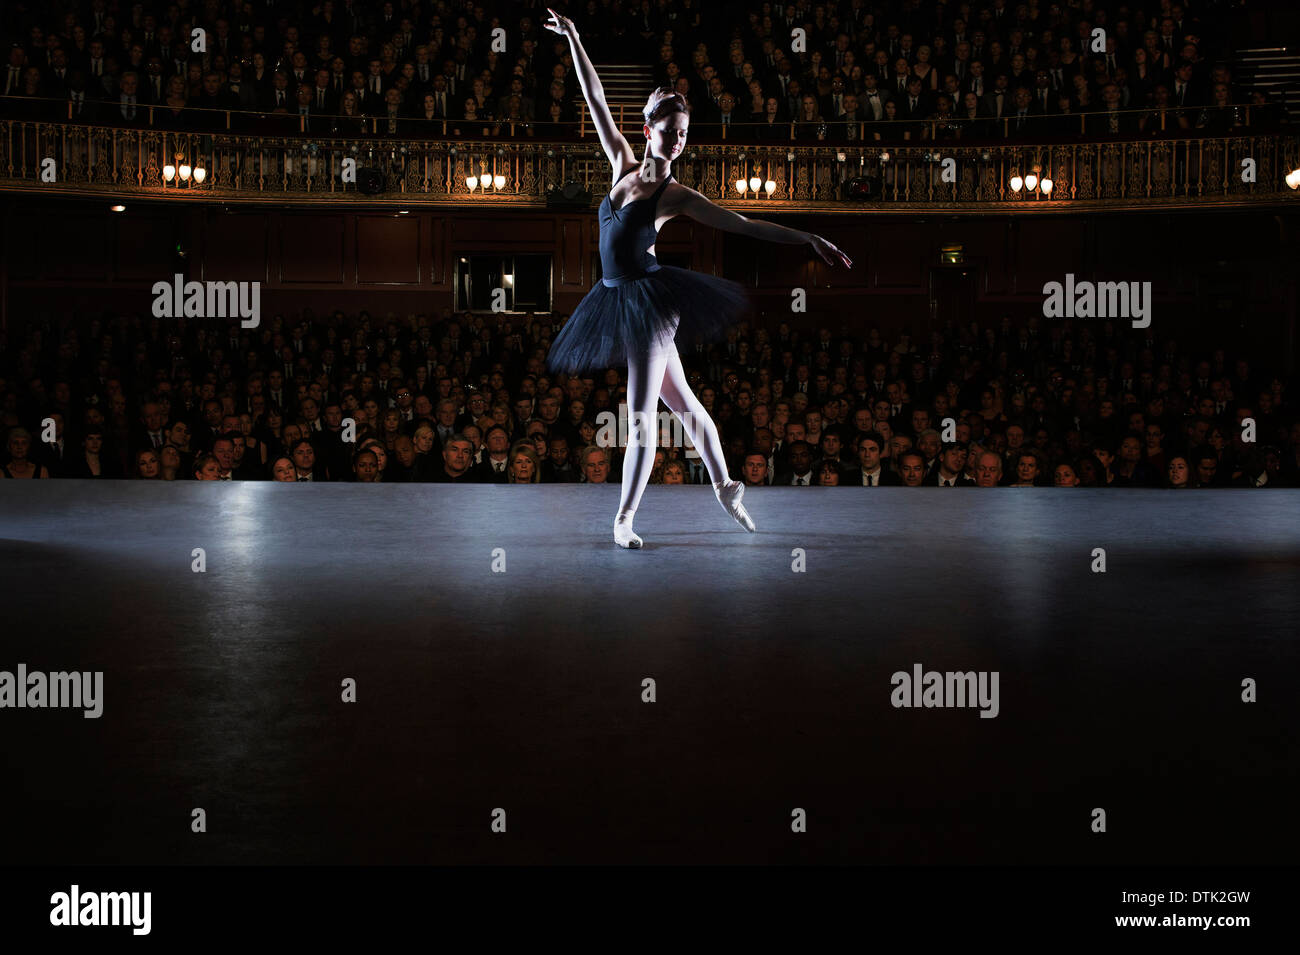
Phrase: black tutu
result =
(610, 321)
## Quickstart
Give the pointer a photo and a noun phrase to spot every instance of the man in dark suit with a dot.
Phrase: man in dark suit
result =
(328, 441)
(1043, 95)
(998, 101)
(728, 120)
(832, 104)
(425, 71)
(871, 472)
(558, 467)
(915, 106)
(126, 108)
(457, 455)
(1021, 120)
(324, 100)
(443, 107)
(279, 96)
(305, 463)
(82, 104)
(871, 101)
(848, 125)
(898, 83)
(1110, 120)
(151, 431)
(54, 82)
(495, 466)
(798, 469)
(949, 469)
(216, 99)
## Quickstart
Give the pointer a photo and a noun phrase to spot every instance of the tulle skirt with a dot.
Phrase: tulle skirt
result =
(633, 316)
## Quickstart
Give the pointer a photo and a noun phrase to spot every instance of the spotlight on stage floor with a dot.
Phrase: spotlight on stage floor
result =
(862, 189)
(571, 195)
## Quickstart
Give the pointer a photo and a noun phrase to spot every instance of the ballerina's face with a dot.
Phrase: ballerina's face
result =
(667, 137)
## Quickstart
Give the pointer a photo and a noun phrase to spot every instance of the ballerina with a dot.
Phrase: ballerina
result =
(641, 309)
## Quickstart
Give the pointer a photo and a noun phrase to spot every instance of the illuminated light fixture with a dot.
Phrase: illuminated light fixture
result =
(499, 181)
(200, 174)
(741, 186)
(510, 280)
(117, 208)
(1030, 182)
(1016, 183)
(471, 183)
(770, 186)
(184, 173)
(755, 184)
(1293, 179)
(403, 212)
(1045, 187)
(952, 254)
(884, 157)
(169, 172)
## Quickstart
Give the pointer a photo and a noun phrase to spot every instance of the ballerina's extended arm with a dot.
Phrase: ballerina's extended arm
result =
(617, 149)
(690, 203)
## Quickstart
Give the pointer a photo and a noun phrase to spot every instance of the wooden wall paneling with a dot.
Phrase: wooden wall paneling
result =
(73, 245)
(571, 246)
(20, 251)
(1047, 249)
(235, 247)
(144, 244)
(387, 249)
(312, 249)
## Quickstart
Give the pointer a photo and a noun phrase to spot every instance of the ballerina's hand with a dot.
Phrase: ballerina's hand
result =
(829, 252)
(562, 25)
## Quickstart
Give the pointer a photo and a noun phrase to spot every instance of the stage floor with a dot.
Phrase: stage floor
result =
(522, 690)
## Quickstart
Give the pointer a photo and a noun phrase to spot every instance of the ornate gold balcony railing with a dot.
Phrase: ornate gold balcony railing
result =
(110, 162)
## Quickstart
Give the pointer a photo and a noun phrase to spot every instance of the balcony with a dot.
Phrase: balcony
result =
(505, 164)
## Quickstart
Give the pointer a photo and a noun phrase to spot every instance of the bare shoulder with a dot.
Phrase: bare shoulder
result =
(677, 198)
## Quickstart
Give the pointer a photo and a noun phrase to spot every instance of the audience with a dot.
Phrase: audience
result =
(895, 70)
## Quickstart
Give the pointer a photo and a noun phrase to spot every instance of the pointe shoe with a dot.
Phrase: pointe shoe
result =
(624, 535)
(729, 495)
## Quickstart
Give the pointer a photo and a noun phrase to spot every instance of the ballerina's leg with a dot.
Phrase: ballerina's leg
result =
(676, 393)
(645, 373)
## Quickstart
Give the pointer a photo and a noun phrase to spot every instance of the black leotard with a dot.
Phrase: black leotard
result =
(625, 235)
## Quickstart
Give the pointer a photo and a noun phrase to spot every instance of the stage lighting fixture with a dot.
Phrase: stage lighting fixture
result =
(862, 189)
(570, 195)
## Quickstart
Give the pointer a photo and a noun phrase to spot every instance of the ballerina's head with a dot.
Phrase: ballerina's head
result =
(667, 117)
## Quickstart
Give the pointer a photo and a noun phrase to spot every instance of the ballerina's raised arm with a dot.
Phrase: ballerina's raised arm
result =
(617, 149)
